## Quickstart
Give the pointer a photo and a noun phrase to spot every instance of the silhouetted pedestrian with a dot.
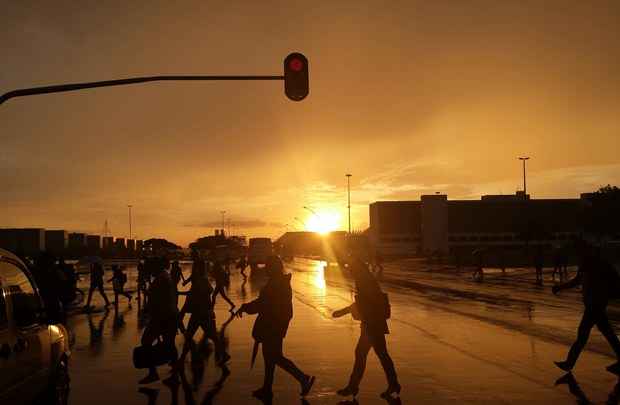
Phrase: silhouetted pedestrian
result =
(176, 273)
(274, 307)
(68, 279)
(219, 274)
(118, 280)
(199, 266)
(162, 323)
(600, 283)
(200, 306)
(142, 278)
(241, 265)
(96, 283)
(372, 308)
(539, 261)
(50, 286)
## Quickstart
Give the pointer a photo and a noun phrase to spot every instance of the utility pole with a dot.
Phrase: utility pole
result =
(524, 159)
(303, 225)
(349, 199)
(129, 206)
(223, 218)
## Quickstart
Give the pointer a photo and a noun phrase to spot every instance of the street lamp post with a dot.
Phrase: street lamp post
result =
(223, 213)
(129, 206)
(349, 199)
(524, 159)
(303, 226)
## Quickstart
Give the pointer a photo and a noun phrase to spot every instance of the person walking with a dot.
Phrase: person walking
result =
(118, 280)
(162, 322)
(199, 266)
(241, 265)
(96, 283)
(202, 316)
(600, 283)
(274, 307)
(371, 306)
(219, 274)
(176, 273)
(539, 261)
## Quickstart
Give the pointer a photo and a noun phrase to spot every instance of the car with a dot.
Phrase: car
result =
(34, 352)
(258, 252)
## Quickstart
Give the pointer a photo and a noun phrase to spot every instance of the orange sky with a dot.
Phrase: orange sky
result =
(411, 97)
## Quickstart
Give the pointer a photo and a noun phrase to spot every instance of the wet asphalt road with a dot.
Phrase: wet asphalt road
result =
(442, 353)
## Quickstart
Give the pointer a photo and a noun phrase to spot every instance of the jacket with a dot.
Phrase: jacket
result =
(274, 307)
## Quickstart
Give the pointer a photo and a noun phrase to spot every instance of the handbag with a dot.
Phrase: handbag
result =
(154, 355)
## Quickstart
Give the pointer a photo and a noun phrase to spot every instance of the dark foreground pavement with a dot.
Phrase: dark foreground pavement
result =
(446, 349)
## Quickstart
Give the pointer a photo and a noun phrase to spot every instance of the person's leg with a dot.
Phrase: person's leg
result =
(148, 337)
(361, 353)
(210, 332)
(380, 347)
(583, 333)
(90, 296)
(192, 327)
(102, 292)
(286, 364)
(223, 294)
(270, 354)
(216, 291)
(606, 329)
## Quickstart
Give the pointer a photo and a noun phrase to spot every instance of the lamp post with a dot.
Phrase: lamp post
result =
(524, 159)
(223, 213)
(349, 198)
(303, 226)
(129, 206)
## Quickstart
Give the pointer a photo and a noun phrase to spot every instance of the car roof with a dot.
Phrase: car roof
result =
(11, 257)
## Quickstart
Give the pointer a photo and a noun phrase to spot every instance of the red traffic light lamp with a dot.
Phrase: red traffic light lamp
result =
(296, 78)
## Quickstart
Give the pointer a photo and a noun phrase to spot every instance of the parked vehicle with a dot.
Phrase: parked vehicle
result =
(258, 252)
(34, 353)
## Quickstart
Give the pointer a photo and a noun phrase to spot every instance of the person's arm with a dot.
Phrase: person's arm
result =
(342, 312)
(252, 307)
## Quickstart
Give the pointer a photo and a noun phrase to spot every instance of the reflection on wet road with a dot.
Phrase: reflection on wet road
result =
(442, 353)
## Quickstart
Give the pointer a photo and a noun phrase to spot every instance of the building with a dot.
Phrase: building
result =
(23, 241)
(77, 240)
(57, 241)
(108, 243)
(119, 244)
(438, 225)
(93, 243)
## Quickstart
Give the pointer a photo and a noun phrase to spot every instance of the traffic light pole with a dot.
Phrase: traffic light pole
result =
(122, 82)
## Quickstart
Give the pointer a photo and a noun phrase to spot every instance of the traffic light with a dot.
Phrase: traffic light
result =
(296, 82)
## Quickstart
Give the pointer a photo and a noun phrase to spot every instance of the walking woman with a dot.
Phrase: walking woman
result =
(372, 308)
(219, 274)
(118, 280)
(274, 307)
(202, 315)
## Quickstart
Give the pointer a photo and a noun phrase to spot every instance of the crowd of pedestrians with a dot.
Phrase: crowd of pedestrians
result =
(158, 288)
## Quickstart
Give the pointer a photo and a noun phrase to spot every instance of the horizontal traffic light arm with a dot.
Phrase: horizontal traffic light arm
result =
(121, 82)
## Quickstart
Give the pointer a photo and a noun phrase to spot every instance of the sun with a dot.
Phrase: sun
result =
(324, 222)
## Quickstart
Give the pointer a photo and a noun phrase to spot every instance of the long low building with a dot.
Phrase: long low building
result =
(438, 225)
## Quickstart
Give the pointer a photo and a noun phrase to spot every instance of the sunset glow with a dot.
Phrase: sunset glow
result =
(324, 222)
